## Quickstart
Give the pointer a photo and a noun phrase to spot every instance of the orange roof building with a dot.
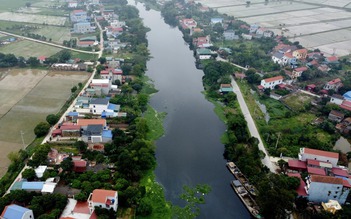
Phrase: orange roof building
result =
(271, 82)
(323, 188)
(85, 122)
(324, 156)
(107, 199)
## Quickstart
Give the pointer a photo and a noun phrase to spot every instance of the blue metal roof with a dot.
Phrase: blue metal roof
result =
(347, 95)
(72, 114)
(112, 106)
(107, 134)
(15, 212)
(32, 185)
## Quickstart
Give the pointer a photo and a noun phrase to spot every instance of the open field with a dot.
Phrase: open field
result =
(33, 18)
(315, 24)
(297, 101)
(28, 49)
(57, 34)
(27, 96)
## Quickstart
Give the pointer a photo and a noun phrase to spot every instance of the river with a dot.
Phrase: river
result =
(190, 153)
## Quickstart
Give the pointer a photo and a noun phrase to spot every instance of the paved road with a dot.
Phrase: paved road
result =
(250, 122)
(70, 108)
(251, 125)
(48, 43)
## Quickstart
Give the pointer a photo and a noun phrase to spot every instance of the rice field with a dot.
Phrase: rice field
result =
(27, 96)
(314, 23)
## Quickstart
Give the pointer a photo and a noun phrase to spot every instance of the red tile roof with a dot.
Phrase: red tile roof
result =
(321, 153)
(301, 51)
(326, 179)
(346, 105)
(332, 59)
(337, 80)
(297, 164)
(340, 172)
(346, 183)
(301, 189)
(316, 162)
(301, 69)
(276, 78)
(70, 127)
(100, 195)
(86, 42)
(316, 171)
(104, 72)
(42, 58)
(289, 55)
(85, 122)
(79, 163)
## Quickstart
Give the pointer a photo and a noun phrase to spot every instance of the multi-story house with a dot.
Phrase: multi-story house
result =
(78, 16)
(333, 84)
(107, 199)
(271, 82)
(313, 154)
(323, 188)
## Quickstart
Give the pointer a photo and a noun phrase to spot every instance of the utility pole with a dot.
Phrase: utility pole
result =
(22, 133)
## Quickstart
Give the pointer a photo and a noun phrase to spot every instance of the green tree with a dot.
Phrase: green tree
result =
(81, 146)
(74, 89)
(29, 174)
(67, 164)
(102, 60)
(42, 129)
(33, 61)
(52, 119)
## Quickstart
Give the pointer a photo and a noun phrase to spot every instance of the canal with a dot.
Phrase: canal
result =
(190, 153)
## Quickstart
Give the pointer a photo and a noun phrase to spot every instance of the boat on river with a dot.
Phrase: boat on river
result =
(241, 177)
(244, 190)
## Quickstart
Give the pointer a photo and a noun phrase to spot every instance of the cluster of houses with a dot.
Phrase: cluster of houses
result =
(106, 199)
(325, 181)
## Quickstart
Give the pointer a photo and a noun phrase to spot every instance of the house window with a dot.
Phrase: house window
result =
(336, 192)
(338, 187)
(334, 196)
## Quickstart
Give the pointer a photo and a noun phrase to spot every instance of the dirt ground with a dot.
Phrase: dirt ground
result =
(26, 98)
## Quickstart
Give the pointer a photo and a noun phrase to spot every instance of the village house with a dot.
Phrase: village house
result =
(332, 60)
(14, 211)
(101, 84)
(100, 106)
(336, 116)
(246, 36)
(79, 165)
(300, 54)
(277, 58)
(216, 21)
(107, 199)
(289, 59)
(332, 206)
(202, 42)
(188, 23)
(86, 44)
(337, 99)
(113, 31)
(83, 27)
(271, 82)
(225, 88)
(72, 4)
(78, 16)
(230, 35)
(323, 188)
(313, 154)
(112, 74)
(297, 72)
(203, 53)
(253, 28)
(333, 84)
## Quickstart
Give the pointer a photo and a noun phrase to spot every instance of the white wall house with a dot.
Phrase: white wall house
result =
(271, 82)
(337, 99)
(313, 154)
(107, 199)
(103, 84)
(278, 58)
(323, 188)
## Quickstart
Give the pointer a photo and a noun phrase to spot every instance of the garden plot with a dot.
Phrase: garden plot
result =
(33, 18)
(27, 96)
(297, 101)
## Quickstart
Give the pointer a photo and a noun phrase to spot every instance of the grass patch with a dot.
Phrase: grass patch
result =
(84, 56)
(148, 87)
(28, 49)
(155, 196)
(155, 122)
(274, 107)
(297, 101)
(219, 109)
